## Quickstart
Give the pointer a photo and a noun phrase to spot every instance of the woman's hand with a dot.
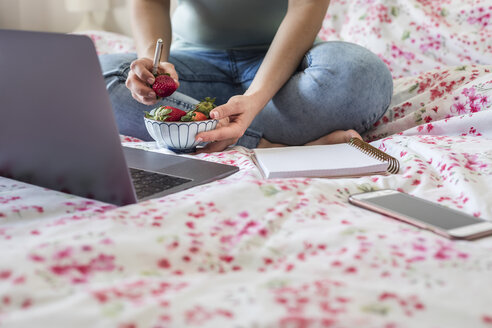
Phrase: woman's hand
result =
(140, 79)
(234, 118)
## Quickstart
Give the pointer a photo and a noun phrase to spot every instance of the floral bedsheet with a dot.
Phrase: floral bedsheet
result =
(413, 36)
(249, 252)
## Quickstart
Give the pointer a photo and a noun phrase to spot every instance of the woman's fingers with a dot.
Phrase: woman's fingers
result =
(140, 79)
(232, 107)
(145, 101)
(168, 68)
(142, 68)
(235, 117)
(140, 90)
(231, 131)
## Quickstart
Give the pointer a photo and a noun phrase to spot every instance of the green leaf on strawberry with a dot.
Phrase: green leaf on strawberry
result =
(165, 113)
(194, 116)
(188, 117)
(161, 113)
(205, 106)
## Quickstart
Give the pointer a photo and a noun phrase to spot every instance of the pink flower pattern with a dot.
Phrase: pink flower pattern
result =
(414, 36)
(245, 251)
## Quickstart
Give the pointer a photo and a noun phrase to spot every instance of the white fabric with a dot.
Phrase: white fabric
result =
(249, 252)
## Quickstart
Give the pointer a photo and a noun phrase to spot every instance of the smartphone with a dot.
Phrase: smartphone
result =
(424, 214)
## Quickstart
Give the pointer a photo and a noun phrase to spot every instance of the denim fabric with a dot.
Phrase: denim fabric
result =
(338, 85)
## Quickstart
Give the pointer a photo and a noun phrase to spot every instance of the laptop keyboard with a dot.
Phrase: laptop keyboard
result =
(149, 183)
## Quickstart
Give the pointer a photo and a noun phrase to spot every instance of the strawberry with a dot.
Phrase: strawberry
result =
(205, 106)
(201, 111)
(166, 113)
(175, 114)
(194, 116)
(199, 117)
(164, 85)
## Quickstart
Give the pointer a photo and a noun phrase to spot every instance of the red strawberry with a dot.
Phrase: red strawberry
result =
(199, 117)
(175, 114)
(194, 116)
(166, 113)
(164, 85)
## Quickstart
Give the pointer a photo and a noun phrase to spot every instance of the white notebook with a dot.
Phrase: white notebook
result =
(356, 158)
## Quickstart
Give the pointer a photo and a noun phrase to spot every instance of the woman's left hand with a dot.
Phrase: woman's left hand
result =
(234, 118)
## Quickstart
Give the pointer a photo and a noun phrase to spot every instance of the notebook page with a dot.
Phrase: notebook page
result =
(322, 160)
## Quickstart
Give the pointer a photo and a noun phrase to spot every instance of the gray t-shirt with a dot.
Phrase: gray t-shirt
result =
(226, 24)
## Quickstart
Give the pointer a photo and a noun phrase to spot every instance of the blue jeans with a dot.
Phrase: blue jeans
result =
(337, 86)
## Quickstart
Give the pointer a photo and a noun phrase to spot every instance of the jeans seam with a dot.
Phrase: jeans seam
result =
(125, 70)
(202, 78)
(309, 60)
(233, 66)
(180, 103)
(250, 139)
(121, 73)
(249, 133)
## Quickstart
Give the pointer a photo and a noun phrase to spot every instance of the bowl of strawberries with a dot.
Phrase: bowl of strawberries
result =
(176, 129)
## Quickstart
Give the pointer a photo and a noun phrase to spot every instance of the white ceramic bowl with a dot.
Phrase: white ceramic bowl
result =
(178, 136)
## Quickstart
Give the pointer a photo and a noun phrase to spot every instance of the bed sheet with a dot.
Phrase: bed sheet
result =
(249, 252)
(414, 36)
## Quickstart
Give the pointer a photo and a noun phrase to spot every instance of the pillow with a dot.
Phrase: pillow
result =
(449, 101)
(109, 42)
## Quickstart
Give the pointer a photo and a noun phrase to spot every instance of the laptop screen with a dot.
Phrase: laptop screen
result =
(57, 128)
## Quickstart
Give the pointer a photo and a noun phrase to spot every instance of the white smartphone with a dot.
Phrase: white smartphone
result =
(422, 213)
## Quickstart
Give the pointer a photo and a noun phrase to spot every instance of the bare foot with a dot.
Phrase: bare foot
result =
(267, 144)
(339, 136)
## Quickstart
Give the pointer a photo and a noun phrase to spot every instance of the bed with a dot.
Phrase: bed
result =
(250, 252)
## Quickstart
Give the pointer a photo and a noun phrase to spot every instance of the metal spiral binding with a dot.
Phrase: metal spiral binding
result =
(394, 165)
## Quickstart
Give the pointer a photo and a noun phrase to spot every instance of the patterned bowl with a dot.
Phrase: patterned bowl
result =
(178, 136)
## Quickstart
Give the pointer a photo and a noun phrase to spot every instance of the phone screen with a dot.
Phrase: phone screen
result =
(422, 210)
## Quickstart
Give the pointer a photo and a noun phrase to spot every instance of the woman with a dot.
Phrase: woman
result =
(274, 82)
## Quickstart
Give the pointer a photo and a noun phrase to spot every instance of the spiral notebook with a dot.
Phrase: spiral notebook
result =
(352, 159)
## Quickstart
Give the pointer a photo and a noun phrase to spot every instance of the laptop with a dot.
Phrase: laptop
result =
(57, 127)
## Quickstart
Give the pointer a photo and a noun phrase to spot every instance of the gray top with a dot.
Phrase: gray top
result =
(225, 24)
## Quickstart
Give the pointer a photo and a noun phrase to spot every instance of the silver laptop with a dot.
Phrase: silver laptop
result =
(57, 128)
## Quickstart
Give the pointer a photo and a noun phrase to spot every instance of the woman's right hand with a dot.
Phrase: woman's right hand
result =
(140, 79)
